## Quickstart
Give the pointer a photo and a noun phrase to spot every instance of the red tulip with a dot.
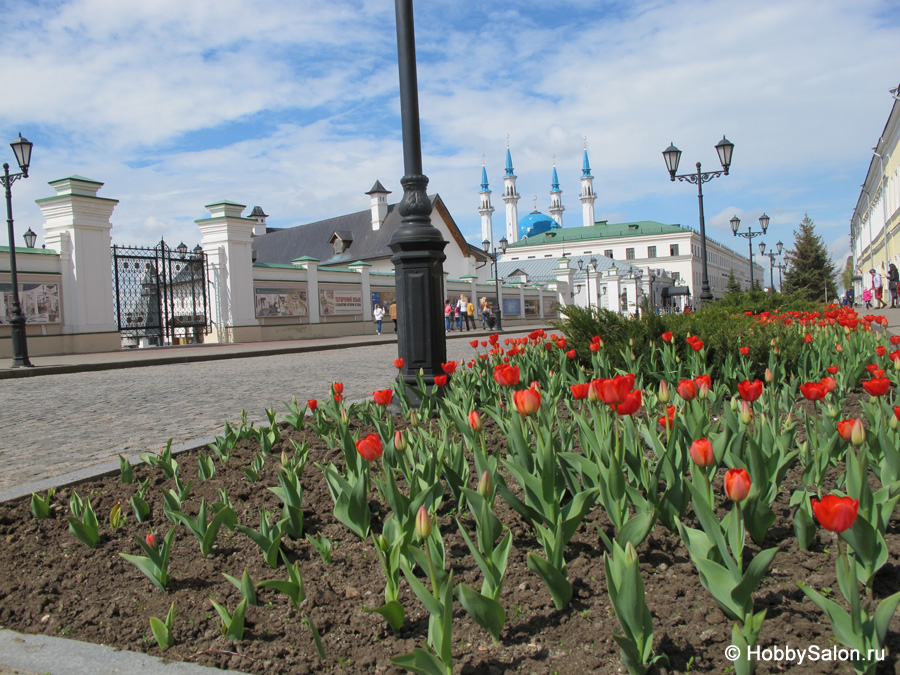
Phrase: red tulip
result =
(423, 523)
(398, 363)
(475, 421)
(630, 405)
(338, 398)
(845, 429)
(697, 345)
(880, 350)
(808, 338)
(474, 344)
(687, 389)
(667, 337)
(399, 441)
(830, 383)
(561, 343)
(737, 484)
(370, 447)
(507, 375)
(832, 370)
(383, 396)
(151, 540)
(704, 384)
(527, 401)
(312, 404)
(834, 513)
(814, 391)
(895, 340)
(668, 420)
(897, 411)
(449, 368)
(338, 387)
(877, 386)
(744, 350)
(595, 347)
(580, 391)
(750, 391)
(570, 354)
(614, 390)
(440, 380)
(702, 452)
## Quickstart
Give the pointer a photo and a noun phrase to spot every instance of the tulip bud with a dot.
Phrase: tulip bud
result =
(631, 555)
(475, 421)
(677, 359)
(702, 391)
(485, 488)
(382, 542)
(858, 434)
(746, 412)
(896, 364)
(832, 412)
(735, 404)
(423, 523)
(151, 540)
(631, 342)
(344, 418)
(769, 376)
(663, 392)
(284, 458)
(413, 419)
(399, 441)
(893, 423)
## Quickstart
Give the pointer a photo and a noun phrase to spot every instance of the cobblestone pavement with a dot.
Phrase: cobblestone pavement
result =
(56, 424)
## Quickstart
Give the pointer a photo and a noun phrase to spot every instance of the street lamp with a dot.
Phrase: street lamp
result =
(417, 245)
(29, 237)
(486, 245)
(771, 255)
(782, 267)
(672, 156)
(750, 235)
(22, 150)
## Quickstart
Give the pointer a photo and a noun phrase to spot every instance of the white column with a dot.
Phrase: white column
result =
(77, 225)
(362, 268)
(225, 237)
(311, 265)
(564, 277)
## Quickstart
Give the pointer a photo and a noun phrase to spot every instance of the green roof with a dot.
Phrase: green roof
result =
(601, 230)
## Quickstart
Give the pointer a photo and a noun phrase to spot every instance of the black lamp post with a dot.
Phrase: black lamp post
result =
(417, 245)
(22, 150)
(782, 267)
(672, 155)
(486, 245)
(771, 255)
(750, 235)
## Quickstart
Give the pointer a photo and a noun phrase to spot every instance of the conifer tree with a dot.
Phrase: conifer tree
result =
(733, 286)
(847, 276)
(811, 271)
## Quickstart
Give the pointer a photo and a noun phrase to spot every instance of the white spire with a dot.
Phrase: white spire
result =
(510, 198)
(485, 209)
(556, 206)
(587, 191)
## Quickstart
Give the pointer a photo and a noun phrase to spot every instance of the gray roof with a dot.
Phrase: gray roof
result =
(544, 269)
(378, 187)
(281, 246)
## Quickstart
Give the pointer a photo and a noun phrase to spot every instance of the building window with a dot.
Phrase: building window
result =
(608, 253)
(673, 249)
(629, 254)
(651, 251)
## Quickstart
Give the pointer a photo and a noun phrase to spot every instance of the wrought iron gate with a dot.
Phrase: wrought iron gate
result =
(161, 294)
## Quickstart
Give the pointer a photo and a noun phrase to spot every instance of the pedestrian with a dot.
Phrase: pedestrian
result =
(485, 310)
(867, 297)
(893, 281)
(448, 315)
(463, 315)
(878, 288)
(470, 316)
(457, 316)
(378, 315)
(393, 313)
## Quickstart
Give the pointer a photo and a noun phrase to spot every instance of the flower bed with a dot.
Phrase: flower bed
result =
(580, 523)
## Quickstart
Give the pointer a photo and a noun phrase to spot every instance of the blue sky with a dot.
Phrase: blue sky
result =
(294, 106)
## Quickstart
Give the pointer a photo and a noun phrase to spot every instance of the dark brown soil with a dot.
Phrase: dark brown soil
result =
(53, 584)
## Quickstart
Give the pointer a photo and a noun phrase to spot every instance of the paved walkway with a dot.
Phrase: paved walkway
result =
(77, 413)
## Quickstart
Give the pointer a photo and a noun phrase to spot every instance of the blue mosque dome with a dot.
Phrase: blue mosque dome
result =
(536, 223)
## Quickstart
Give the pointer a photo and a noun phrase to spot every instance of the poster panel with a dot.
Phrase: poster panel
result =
(334, 301)
(39, 302)
(549, 303)
(531, 307)
(281, 302)
(512, 306)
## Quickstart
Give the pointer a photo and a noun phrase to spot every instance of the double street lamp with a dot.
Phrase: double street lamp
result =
(486, 245)
(672, 155)
(749, 235)
(22, 150)
(591, 263)
(771, 255)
